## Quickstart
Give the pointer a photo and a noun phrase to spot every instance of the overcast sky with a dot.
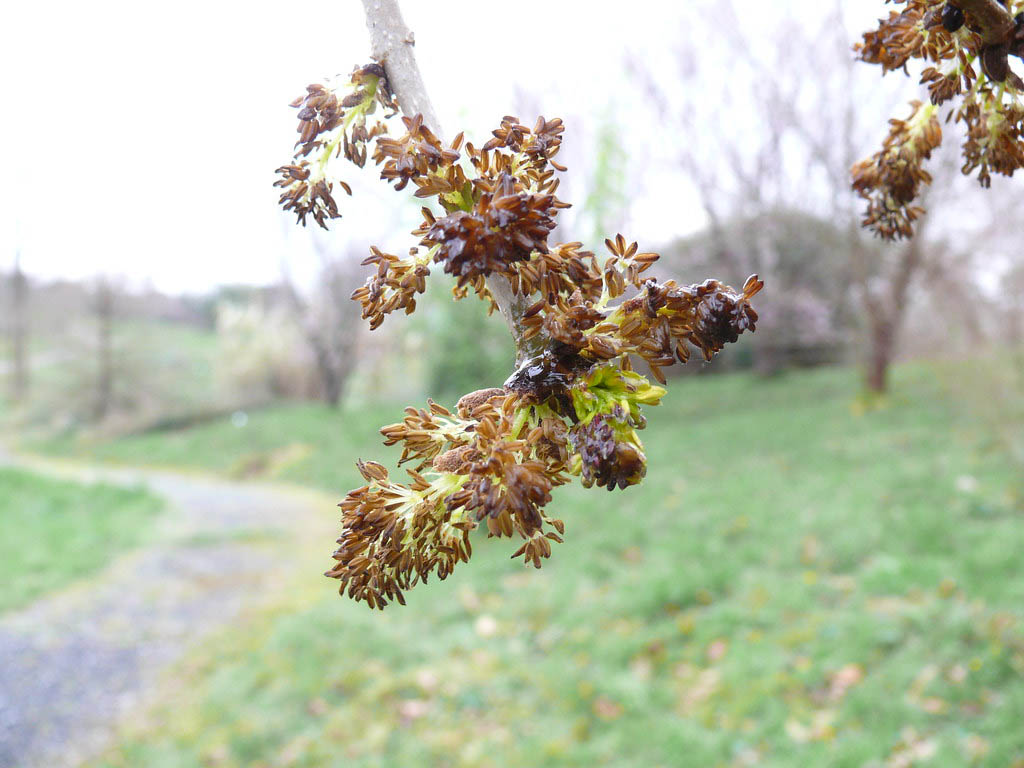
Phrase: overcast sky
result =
(141, 138)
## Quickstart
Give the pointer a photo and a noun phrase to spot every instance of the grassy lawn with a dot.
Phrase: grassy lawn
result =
(53, 531)
(799, 581)
(306, 444)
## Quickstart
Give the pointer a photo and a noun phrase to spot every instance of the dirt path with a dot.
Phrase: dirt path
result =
(73, 664)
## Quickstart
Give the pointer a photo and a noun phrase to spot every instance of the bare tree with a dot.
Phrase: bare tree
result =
(19, 331)
(885, 308)
(102, 307)
(807, 118)
(328, 318)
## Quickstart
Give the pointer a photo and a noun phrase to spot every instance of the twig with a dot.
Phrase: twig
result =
(392, 46)
(997, 24)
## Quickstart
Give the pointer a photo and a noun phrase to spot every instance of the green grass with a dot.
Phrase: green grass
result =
(307, 444)
(799, 581)
(53, 532)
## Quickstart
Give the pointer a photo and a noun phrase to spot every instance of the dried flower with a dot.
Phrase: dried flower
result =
(572, 409)
(953, 44)
(605, 457)
(395, 536)
(420, 157)
(890, 181)
(656, 324)
(503, 227)
(995, 138)
(607, 405)
(331, 123)
(393, 286)
(425, 433)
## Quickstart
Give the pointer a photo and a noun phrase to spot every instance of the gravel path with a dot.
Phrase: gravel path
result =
(76, 662)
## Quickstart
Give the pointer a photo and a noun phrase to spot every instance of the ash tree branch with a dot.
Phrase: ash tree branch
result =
(392, 46)
(997, 24)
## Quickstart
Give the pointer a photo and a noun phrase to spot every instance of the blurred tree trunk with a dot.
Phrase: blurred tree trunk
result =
(329, 320)
(882, 338)
(341, 334)
(103, 309)
(885, 341)
(885, 310)
(19, 332)
(332, 377)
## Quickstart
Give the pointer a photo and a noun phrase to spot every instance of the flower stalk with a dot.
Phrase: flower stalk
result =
(573, 405)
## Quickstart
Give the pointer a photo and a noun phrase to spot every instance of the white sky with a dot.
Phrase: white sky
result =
(140, 139)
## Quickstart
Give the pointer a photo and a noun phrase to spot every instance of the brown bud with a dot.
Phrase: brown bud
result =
(452, 461)
(469, 402)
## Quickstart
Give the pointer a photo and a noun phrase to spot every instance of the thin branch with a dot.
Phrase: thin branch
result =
(392, 45)
(997, 24)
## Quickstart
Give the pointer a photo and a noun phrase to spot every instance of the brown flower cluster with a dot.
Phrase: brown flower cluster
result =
(571, 409)
(499, 217)
(966, 52)
(606, 403)
(656, 324)
(898, 38)
(420, 157)
(494, 464)
(891, 179)
(393, 286)
(995, 138)
(604, 460)
(331, 123)
(504, 227)
(395, 536)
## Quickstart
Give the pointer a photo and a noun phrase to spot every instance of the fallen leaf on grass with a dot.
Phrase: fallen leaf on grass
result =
(412, 709)
(843, 680)
(606, 709)
(717, 649)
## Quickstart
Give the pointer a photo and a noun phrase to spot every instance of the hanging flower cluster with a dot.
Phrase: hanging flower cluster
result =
(332, 121)
(891, 180)
(966, 46)
(572, 408)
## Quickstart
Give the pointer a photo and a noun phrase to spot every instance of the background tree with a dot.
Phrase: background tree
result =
(606, 198)
(328, 317)
(785, 141)
(18, 319)
(103, 316)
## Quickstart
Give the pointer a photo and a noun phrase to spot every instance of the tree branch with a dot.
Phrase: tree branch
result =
(997, 24)
(392, 46)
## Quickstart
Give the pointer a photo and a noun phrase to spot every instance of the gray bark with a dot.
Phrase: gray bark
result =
(392, 45)
(103, 307)
(19, 333)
